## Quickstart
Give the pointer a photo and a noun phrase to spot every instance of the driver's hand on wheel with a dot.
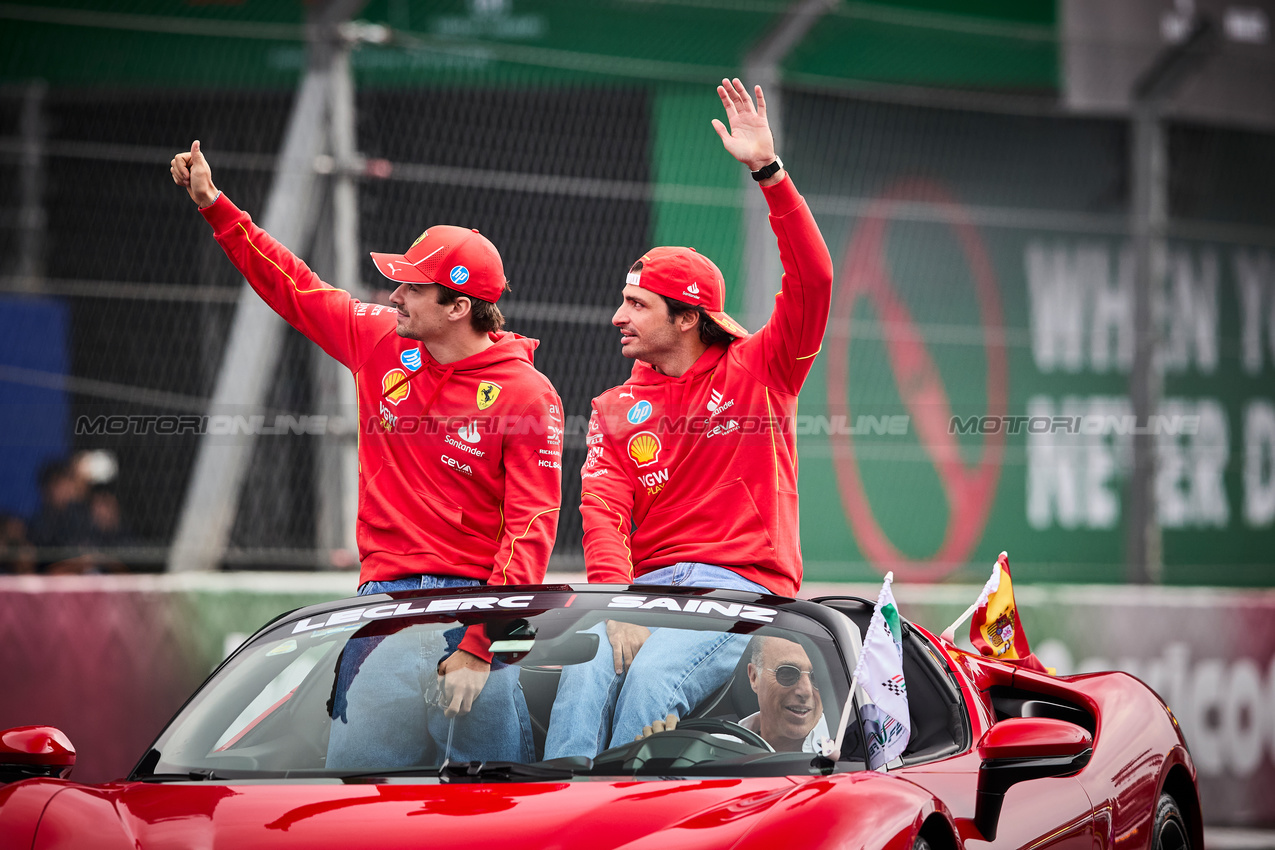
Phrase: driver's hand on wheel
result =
(626, 639)
(668, 724)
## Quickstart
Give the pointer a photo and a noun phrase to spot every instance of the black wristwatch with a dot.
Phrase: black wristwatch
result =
(769, 171)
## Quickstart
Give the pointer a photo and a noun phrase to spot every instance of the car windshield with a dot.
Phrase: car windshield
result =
(355, 691)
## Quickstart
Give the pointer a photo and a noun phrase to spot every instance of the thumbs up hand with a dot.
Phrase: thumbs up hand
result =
(192, 171)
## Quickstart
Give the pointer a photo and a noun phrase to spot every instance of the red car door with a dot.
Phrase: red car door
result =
(1041, 813)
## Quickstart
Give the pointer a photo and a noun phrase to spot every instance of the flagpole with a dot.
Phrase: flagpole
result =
(949, 634)
(845, 716)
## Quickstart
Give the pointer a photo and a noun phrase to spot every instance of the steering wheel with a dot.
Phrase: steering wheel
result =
(718, 726)
(692, 742)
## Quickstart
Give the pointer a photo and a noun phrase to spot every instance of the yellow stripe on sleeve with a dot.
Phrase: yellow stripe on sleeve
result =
(512, 546)
(291, 280)
(619, 528)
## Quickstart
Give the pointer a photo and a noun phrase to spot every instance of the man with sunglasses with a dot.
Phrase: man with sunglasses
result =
(790, 712)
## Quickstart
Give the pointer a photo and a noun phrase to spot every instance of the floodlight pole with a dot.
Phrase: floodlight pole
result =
(762, 269)
(1149, 210)
(252, 349)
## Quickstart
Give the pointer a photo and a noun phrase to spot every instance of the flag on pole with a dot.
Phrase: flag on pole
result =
(995, 629)
(880, 674)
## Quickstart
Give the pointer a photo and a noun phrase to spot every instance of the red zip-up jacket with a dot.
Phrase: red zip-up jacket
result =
(703, 467)
(460, 465)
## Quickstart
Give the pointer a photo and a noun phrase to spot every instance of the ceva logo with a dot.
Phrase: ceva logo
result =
(457, 465)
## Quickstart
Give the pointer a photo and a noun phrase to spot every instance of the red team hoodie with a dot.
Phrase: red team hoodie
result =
(460, 465)
(703, 467)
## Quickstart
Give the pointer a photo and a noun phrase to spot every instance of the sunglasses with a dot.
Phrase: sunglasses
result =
(788, 675)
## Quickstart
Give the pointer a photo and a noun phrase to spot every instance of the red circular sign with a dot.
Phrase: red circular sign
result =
(969, 490)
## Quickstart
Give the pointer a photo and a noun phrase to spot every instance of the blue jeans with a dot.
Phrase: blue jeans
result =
(672, 673)
(385, 710)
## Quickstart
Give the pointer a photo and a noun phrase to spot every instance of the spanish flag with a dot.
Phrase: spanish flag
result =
(995, 629)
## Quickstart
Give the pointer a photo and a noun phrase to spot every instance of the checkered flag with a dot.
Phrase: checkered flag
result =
(880, 669)
(896, 686)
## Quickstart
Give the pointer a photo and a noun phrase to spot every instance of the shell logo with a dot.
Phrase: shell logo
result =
(394, 386)
(644, 448)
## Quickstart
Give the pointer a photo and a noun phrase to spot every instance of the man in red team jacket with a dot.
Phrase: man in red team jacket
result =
(691, 473)
(460, 456)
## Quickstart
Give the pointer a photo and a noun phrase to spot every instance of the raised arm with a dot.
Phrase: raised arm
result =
(342, 326)
(782, 352)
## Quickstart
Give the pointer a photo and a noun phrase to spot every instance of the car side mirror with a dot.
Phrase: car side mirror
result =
(29, 751)
(1020, 748)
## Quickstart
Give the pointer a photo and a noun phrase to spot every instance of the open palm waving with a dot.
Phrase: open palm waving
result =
(749, 140)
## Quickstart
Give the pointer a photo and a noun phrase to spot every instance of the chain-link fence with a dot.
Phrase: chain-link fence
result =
(576, 136)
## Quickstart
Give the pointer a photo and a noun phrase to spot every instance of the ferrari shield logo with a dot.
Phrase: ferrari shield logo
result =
(488, 392)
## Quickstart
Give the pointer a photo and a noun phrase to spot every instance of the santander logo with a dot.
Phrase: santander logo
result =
(692, 291)
(470, 433)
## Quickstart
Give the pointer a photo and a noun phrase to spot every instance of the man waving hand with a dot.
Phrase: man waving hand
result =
(691, 473)
(459, 469)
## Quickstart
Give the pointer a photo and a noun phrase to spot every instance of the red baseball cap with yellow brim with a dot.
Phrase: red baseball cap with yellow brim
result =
(688, 276)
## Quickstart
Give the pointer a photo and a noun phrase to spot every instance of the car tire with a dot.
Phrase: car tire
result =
(920, 843)
(1170, 827)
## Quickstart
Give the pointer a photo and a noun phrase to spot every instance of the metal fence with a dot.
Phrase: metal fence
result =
(576, 136)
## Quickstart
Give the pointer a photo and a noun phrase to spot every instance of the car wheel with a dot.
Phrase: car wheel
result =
(920, 843)
(1170, 828)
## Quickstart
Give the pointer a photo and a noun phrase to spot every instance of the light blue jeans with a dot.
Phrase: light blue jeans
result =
(385, 710)
(672, 673)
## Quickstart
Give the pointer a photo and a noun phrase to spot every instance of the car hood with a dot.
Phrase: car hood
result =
(593, 814)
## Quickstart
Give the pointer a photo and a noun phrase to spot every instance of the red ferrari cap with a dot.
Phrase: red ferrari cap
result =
(455, 257)
(686, 275)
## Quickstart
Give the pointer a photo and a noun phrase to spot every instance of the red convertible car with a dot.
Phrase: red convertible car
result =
(997, 756)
